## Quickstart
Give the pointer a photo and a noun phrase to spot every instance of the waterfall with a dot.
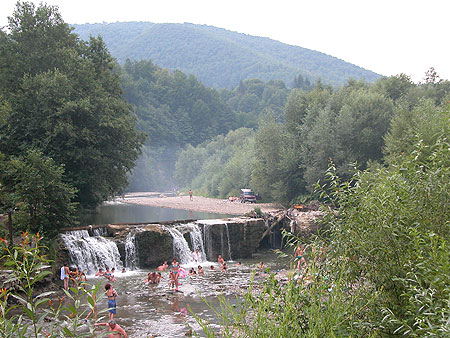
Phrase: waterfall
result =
(181, 248)
(229, 243)
(130, 251)
(100, 232)
(207, 240)
(197, 241)
(91, 253)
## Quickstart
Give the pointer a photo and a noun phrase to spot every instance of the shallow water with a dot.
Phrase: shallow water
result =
(147, 310)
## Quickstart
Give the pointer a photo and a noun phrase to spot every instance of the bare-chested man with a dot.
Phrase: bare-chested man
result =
(115, 331)
(220, 259)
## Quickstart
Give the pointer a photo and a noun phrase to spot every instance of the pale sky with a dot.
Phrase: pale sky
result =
(388, 37)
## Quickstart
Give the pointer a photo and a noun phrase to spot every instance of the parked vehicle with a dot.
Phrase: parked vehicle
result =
(247, 195)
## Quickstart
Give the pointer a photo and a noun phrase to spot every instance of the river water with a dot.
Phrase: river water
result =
(118, 212)
(146, 310)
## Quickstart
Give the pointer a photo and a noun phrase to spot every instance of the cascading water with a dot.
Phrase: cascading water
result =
(207, 240)
(181, 246)
(229, 243)
(130, 251)
(197, 242)
(99, 232)
(91, 253)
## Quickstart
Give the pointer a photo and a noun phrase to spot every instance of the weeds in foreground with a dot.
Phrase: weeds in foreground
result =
(37, 314)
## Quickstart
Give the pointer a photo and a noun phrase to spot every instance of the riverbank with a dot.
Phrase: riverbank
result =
(204, 204)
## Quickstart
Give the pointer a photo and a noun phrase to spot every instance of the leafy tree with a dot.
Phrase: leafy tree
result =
(302, 83)
(392, 226)
(267, 178)
(423, 123)
(66, 101)
(33, 185)
(348, 127)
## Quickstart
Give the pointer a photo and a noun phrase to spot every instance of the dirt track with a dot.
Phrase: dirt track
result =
(204, 204)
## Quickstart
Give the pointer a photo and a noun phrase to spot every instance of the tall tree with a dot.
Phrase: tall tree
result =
(67, 102)
(32, 184)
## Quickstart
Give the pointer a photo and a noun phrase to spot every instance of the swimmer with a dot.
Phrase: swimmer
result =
(100, 272)
(163, 267)
(107, 274)
(151, 278)
(192, 272)
(261, 265)
(172, 281)
(238, 264)
(211, 267)
(112, 278)
(123, 270)
(223, 267)
(201, 272)
(220, 259)
(115, 331)
(158, 278)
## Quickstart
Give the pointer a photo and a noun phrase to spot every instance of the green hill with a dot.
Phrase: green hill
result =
(218, 57)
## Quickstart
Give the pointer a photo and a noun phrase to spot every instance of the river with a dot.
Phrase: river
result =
(118, 212)
(146, 310)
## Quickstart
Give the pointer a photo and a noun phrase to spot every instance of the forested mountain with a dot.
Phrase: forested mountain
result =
(218, 57)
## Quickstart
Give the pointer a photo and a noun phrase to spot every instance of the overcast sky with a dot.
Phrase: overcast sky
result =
(388, 37)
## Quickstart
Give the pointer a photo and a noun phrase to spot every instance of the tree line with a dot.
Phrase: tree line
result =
(289, 153)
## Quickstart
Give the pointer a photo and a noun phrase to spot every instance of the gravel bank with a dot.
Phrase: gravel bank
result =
(204, 204)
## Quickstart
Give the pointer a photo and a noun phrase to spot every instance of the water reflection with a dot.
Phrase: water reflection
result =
(134, 213)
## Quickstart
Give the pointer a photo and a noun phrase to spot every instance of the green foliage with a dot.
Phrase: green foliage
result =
(220, 167)
(392, 225)
(424, 123)
(66, 101)
(253, 98)
(29, 271)
(33, 184)
(172, 108)
(312, 303)
(220, 58)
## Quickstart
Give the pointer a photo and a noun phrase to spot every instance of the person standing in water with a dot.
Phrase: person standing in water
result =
(190, 195)
(111, 294)
(175, 268)
(66, 275)
(63, 275)
(196, 256)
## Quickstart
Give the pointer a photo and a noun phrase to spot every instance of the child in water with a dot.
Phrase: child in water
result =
(172, 281)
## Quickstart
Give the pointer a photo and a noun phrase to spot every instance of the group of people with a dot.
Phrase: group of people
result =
(153, 277)
(114, 330)
(77, 277)
(108, 274)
